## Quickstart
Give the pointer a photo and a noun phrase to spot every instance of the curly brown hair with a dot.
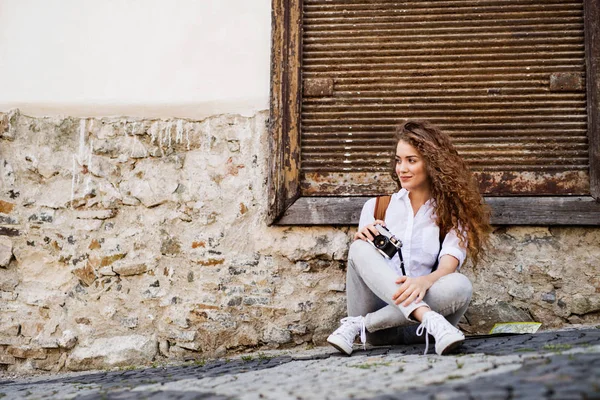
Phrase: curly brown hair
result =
(457, 201)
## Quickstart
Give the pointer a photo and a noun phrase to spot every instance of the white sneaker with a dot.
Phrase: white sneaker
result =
(343, 337)
(447, 337)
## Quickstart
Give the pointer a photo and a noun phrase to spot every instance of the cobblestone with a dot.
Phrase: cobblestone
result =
(547, 365)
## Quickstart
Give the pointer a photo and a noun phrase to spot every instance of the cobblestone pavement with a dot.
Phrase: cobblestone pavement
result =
(547, 365)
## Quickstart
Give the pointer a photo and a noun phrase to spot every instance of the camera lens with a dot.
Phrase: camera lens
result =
(380, 241)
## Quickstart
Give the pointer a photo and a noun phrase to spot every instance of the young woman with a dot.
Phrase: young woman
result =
(439, 217)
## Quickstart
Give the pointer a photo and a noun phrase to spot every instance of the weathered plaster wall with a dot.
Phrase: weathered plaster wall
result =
(126, 241)
(147, 58)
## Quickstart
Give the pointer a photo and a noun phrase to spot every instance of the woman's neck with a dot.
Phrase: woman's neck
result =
(417, 199)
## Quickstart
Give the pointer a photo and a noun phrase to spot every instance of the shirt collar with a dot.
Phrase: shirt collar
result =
(403, 195)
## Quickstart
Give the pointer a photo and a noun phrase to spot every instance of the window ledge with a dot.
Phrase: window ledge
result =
(505, 211)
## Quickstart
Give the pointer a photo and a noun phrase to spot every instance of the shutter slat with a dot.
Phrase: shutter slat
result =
(475, 50)
(313, 142)
(539, 97)
(316, 106)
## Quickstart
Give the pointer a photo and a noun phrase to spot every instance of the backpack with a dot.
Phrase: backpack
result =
(381, 205)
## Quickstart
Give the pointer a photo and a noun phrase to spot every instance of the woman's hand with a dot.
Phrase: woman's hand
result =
(368, 232)
(411, 289)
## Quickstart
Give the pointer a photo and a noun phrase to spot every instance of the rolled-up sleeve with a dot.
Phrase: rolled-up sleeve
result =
(367, 215)
(451, 245)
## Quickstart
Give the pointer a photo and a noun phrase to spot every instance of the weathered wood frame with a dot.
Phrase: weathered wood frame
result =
(284, 120)
(287, 207)
(592, 57)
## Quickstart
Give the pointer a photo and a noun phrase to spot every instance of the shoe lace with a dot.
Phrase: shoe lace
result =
(348, 330)
(420, 329)
(435, 325)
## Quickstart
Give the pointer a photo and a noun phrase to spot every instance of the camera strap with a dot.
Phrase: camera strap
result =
(401, 261)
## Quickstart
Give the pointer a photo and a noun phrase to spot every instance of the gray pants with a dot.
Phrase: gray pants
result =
(370, 284)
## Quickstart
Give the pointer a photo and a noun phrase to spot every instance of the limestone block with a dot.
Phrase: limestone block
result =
(12, 340)
(107, 196)
(86, 273)
(9, 307)
(6, 359)
(178, 319)
(126, 269)
(296, 245)
(6, 207)
(3, 125)
(7, 175)
(106, 271)
(103, 168)
(138, 149)
(130, 201)
(41, 217)
(31, 328)
(8, 220)
(6, 251)
(46, 342)
(112, 352)
(68, 340)
(163, 347)
(177, 353)
(170, 245)
(106, 148)
(298, 329)
(50, 363)
(549, 297)
(182, 336)
(276, 335)
(40, 267)
(336, 287)
(9, 328)
(155, 151)
(8, 122)
(109, 256)
(55, 193)
(137, 262)
(40, 296)
(51, 163)
(88, 225)
(26, 352)
(131, 322)
(150, 183)
(522, 292)
(106, 130)
(484, 316)
(581, 304)
(194, 346)
(96, 214)
(245, 335)
(9, 279)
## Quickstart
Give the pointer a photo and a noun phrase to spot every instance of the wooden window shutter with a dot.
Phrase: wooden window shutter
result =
(505, 78)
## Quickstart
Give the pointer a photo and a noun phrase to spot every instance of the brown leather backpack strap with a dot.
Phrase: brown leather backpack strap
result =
(381, 205)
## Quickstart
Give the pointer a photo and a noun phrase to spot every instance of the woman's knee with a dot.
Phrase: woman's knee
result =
(456, 286)
(462, 281)
(357, 249)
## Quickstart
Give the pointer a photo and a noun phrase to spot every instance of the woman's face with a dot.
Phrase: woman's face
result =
(410, 168)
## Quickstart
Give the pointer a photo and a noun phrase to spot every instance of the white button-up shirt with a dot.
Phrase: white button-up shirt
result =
(419, 234)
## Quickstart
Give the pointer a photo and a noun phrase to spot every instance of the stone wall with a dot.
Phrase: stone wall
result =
(127, 241)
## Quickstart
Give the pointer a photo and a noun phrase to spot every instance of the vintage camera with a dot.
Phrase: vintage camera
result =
(387, 244)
